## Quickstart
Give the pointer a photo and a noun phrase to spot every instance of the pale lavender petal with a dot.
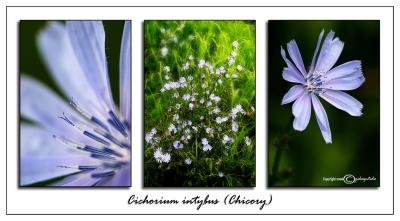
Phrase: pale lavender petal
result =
(88, 42)
(81, 179)
(57, 53)
(322, 119)
(343, 101)
(330, 52)
(302, 112)
(125, 73)
(290, 64)
(345, 70)
(294, 93)
(295, 54)
(312, 66)
(42, 157)
(293, 76)
(36, 141)
(121, 178)
(345, 83)
(43, 106)
(37, 169)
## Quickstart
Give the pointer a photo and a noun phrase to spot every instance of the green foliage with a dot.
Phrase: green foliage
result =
(193, 43)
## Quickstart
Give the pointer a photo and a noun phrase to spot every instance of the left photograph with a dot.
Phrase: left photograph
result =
(75, 103)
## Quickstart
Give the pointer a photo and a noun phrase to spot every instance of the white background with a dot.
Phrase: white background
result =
(286, 201)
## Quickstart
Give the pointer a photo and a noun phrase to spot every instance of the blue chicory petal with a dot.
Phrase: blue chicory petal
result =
(125, 73)
(302, 112)
(295, 54)
(312, 66)
(292, 76)
(289, 64)
(330, 52)
(346, 83)
(294, 93)
(344, 70)
(56, 50)
(88, 42)
(322, 119)
(343, 101)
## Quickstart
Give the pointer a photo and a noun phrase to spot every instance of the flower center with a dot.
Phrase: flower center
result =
(111, 146)
(314, 81)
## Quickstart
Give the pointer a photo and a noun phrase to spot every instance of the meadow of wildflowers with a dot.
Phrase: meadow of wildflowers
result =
(199, 100)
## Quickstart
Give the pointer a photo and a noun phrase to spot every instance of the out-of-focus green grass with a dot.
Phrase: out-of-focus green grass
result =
(212, 41)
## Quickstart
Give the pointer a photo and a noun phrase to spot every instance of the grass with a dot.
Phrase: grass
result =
(213, 42)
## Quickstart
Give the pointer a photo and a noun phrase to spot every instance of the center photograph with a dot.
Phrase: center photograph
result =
(199, 103)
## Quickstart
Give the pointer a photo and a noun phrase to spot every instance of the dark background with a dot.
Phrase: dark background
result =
(305, 158)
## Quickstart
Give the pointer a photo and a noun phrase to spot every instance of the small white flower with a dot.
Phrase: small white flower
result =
(166, 77)
(191, 106)
(190, 57)
(209, 130)
(176, 117)
(216, 110)
(172, 128)
(188, 161)
(201, 101)
(226, 139)
(235, 44)
(178, 106)
(220, 120)
(166, 158)
(186, 97)
(233, 54)
(227, 76)
(158, 155)
(239, 68)
(209, 103)
(167, 69)
(182, 80)
(234, 75)
(190, 78)
(235, 126)
(247, 141)
(185, 66)
(201, 63)
(162, 30)
(215, 98)
(164, 51)
(236, 110)
(176, 95)
(219, 81)
(220, 174)
(173, 39)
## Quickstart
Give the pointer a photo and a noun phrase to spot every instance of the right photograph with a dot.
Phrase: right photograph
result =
(323, 103)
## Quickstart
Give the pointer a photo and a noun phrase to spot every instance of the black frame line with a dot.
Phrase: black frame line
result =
(219, 6)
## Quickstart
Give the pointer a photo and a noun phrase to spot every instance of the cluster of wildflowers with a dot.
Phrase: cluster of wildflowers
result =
(200, 118)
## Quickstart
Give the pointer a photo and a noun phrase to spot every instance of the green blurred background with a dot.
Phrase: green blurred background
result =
(305, 158)
(31, 63)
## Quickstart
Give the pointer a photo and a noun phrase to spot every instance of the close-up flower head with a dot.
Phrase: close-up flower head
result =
(321, 80)
(82, 138)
